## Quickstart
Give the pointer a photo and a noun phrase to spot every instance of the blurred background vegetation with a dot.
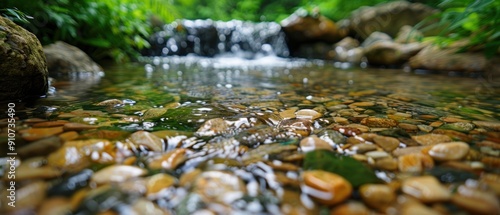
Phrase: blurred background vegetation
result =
(117, 29)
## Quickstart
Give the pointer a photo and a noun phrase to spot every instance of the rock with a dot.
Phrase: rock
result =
(220, 187)
(414, 162)
(144, 138)
(55, 206)
(447, 59)
(407, 34)
(426, 189)
(391, 53)
(388, 17)
(329, 188)
(476, 201)
(64, 59)
(301, 27)
(33, 134)
(490, 125)
(156, 183)
(307, 114)
(348, 50)
(314, 143)
(213, 127)
(363, 148)
(169, 160)
(379, 122)
(40, 147)
(351, 208)
(378, 196)
(376, 37)
(449, 151)
(23, 65)
(387, 143)
(431, 139)
(117, 173)
(27, 197)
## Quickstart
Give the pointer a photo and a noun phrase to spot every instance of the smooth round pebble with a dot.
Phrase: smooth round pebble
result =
(326, 187)
(449, 151)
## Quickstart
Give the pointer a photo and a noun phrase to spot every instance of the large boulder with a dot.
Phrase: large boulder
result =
(22, 64)
(381, 50)
(448, 59)
(301, 27)
(388, 17)
(64, 59)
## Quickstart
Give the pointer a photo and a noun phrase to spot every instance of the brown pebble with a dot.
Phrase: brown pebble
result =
(50, 124)
(169, 160)
(377, 196)
(426, 189)
(379, 122)
(337, 188)
(449, 151)
(33, 134)
(389, 144)
(73, 126)
(431, 139)
(68, 136)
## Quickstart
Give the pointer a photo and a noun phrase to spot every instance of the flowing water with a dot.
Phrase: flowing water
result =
(257, 135)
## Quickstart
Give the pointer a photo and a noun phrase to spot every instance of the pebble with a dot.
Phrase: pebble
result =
(313, 142)
(288, 114)
(213, 127)
(377, 154)
(117, 174)
(361, 104)
(110, 102)
(33, 134)
(219, 186)
(40, 147)
(351, 208)
(307, 114)
(387, 163)
(144, 138)
(449, 151)
(426, 189)
(379, 122)
(154, 113)
(169, 160)
(377, 196)
(68, 136)
(425, 128)
(145, 206)
(74, 126)
(408, 126)
(489, 125)
(417, 208)
(158, 182)
(326, 187)
(389, 144)
(50, 124)
(55, 206)
(363, 147)
(29, 196)
(476, 201)
(341, 120)
(415, 162)
(450, 119)
(436, 124)
(431, 139)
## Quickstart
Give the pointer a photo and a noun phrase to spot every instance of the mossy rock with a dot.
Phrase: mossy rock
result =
(23, 65)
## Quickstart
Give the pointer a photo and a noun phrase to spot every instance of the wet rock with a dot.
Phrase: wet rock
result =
(154, 113)
(117, 174)
(363, 148)
(379, 122)
(447, 59)
(40, 147)
(218, 186)
(414, 162)
(327, 188)
(376, 37)
(76, 155)
(459, 126)
(72, 183)
(378, 196)
(23, 63)
(450, 174)
(476, 201)
(55, 206)
(312, 143)
(387, 143)
(30, 172)
(110, 102)
(377, 154)
(156, 183)
(144, 206)
(302, 127)
(33, 134)
(388, 17)
(352, 208)
(68, 136)
(213, 127)
(307, 114)
(64, 59)
(29, 196)
(387, 163)
(49, 124)
(431, 139)
(490, 125)
(426, 189)
(169, 160)
(148, 140)
(449, 151)
(78, 127)
(417, 208)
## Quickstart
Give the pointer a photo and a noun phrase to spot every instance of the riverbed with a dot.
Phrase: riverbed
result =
(228, 135)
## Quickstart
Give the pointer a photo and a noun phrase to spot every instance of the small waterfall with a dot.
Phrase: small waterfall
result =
(213, 38)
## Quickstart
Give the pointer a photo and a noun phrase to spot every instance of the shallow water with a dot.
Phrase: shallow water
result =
(230, 135)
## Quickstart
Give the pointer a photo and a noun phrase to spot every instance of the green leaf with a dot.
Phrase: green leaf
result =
(99, 42)
(351, 169)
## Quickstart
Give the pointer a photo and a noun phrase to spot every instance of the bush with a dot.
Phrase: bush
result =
(106, 28)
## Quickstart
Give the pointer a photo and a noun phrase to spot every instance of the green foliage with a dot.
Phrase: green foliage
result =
(477, 22)
(351, 169)
(106, 28)
(15, 15)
